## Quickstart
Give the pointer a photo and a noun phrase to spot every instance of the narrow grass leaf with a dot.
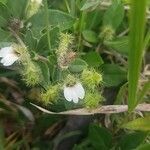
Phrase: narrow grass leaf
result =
(136, 41)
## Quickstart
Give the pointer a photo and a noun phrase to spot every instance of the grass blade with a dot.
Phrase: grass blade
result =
(136, 38)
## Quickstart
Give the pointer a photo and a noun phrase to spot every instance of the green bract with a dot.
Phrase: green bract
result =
(91, 78)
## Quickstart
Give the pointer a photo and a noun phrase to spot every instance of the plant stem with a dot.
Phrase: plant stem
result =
(18, 38)
(81, 27)
(73, 8)
(109, 109)
(67, 5)
(47, 24)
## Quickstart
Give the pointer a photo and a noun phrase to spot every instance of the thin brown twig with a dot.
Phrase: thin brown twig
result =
(109, 109)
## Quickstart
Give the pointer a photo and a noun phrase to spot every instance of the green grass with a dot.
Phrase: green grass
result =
(137, 28)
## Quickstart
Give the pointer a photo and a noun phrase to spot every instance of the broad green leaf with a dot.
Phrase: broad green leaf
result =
(90, 36)
(83, 145)
(94, 19)
(120, 45)
(56, 19)
(114, 14)
(93, 59)
(113, 75)
(142, 124)
(3, 1)
(17, 7)
(4, 35)
(99, 137)
(43, 42)
(90, 3)
(144, 147)
(136, 42)
(127, 142)
(4, 11)
(77, 65)
(30, 40)
(3, 22)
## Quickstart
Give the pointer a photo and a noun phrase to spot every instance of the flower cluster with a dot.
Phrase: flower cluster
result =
(91, 78)
(51, 94)
(75, 87)
(33, 7)
(92, 99)
(107, 33)
(64, 49)
(31, 74)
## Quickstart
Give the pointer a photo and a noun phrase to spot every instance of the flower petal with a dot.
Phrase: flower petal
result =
(74, 96)
(67, 94)
(5, 51)
(80, 90)
(36, 1)
(9, 59)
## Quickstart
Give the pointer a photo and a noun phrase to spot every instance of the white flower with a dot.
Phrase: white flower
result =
(8, 56)
(74, 93)
(37, 1)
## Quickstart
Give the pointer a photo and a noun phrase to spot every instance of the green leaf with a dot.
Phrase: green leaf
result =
(4, 11)
(77, 65)
(88, 4)
(113, 75)
(99, 137)
(43, 43)
(3, 22)
(4, 36)
(120, 45)
(127, 143)
(136, 42)
(141, 124)
(17, 7)
(114, 14)
(30, 40)
(144, 147)
(93, 59)
(56, 19)
(94, 19)
(90, 36)
(3, 1)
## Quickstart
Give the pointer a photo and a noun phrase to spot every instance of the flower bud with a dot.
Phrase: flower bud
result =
(23, 53)
(91, 78)
(50, 95)
(92, 100)
(33, 7)
(31, 74)
(107, 33)
(63, 50)
(70, 81)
